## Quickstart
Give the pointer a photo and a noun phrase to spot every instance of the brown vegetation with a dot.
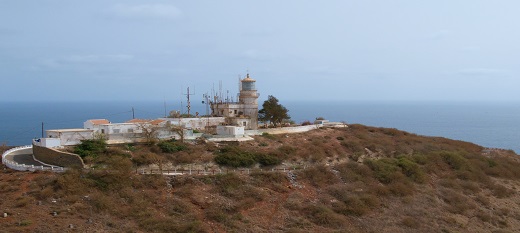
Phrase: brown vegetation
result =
(358, 179)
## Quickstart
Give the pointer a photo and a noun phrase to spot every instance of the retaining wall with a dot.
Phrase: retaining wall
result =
(56, 157)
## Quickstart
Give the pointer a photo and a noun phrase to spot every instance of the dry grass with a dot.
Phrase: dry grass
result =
(408, 184)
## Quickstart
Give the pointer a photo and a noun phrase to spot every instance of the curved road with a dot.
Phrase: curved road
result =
(24, 157)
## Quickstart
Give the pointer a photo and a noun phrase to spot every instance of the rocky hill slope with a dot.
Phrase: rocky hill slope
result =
(357, 179)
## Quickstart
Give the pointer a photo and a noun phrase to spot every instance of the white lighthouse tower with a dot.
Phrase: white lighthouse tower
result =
(248, 99)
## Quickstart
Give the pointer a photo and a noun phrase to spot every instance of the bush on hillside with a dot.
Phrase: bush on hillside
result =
(233, 156)
(385, 170)
(171, 147)
(91, 147)
(411, 169)
(267, 159)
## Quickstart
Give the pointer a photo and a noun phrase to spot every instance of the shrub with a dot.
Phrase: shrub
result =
(455, 160)
(24, 223)
(267, 159)
(401, 188)
(320, 176)
(385, 170)
(118, 174)
(286, 150)
(353, 146)
(23, 201)
(350, 203)
(171, 147)
(266, 178)
(272, 180)
(501, 191)
(411, 169)
(91, 147)
(323, 216)
(145, 158)
(353, 172)
(234, 157)
(268, 136)
(457, 203)
(228, 183)
(306, 122)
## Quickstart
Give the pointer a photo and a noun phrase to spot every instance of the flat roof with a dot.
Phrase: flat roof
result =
(69, 130)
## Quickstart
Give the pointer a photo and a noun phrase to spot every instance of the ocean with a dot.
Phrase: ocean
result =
(494, 125)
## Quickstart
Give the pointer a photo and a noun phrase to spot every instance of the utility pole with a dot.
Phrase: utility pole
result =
(165, 107)
(207, 102)
(133, 113)
(42, 129)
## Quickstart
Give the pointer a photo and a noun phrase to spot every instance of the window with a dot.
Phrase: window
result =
(117, 130)
(102, 131)
(130, 130)
(245, 123)
(236, 112)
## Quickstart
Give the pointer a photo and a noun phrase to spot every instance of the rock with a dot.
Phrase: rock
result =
(54, 213)
(71, 226)
(5, 215)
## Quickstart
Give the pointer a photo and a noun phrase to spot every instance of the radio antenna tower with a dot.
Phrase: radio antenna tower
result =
(189, 103)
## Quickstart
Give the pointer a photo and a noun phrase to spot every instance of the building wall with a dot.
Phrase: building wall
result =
(47, 142)
(196, 123)
(58, 158)
(70, 138)
(227, 109)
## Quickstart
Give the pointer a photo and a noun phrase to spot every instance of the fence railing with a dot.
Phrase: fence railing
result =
(174, 172)
(24, 167)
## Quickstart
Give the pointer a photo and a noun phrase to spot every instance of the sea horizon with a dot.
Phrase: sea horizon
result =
(493, 124)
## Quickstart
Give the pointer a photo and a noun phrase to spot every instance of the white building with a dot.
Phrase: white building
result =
(67, 137)
(242, 113)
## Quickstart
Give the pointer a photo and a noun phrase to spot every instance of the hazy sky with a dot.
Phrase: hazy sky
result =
(295, 49)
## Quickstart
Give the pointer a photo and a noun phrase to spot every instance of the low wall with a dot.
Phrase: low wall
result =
(295, 129)
(56, 157)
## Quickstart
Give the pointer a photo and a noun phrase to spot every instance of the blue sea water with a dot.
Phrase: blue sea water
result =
(486, 124)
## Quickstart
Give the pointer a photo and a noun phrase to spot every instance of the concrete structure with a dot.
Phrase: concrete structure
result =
(200, 123)
(68, 137)
(232, 131)
(47, 142)
(244, 112)
(21, 159)
(56, 157)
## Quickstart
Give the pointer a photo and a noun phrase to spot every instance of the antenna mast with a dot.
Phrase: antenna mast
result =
(189, 103)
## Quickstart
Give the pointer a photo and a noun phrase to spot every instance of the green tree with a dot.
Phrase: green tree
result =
(273, 112)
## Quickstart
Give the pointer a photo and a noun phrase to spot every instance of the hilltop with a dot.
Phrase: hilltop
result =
(356, 179)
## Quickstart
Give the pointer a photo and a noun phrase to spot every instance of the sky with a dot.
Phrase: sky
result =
(344, 50)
